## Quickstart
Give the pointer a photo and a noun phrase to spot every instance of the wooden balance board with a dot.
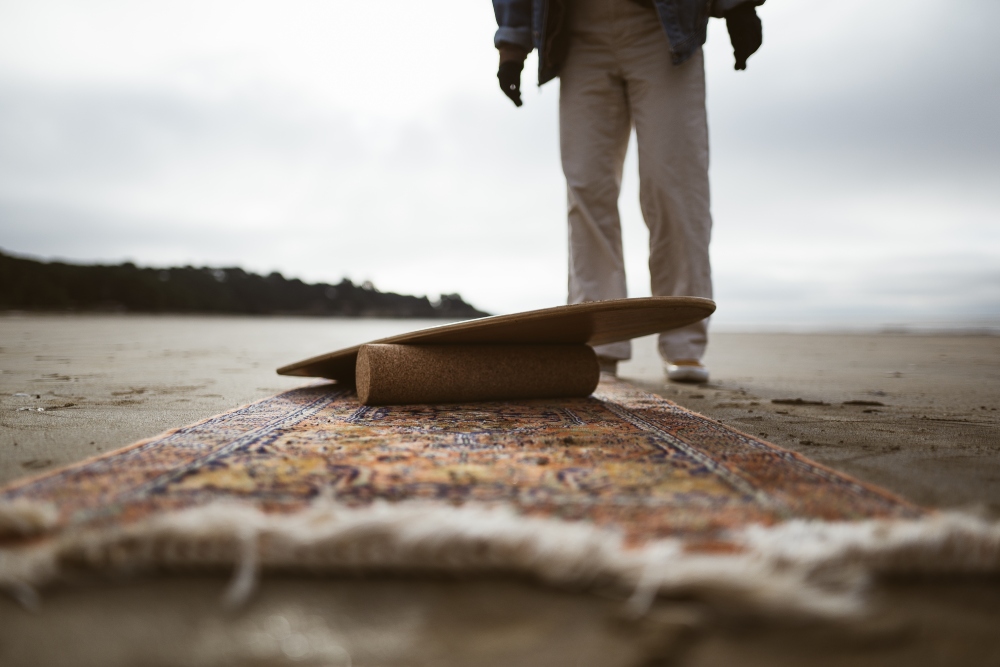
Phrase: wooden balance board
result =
(536, 354)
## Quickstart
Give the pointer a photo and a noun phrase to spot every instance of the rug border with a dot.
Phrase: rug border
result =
(16, 484)
(891, 495)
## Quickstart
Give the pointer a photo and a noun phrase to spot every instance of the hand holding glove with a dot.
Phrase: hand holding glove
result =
(745, 31)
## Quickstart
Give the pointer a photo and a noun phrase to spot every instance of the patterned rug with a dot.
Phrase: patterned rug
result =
(623, 486)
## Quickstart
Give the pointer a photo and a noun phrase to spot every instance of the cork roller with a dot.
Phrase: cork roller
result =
(392, 374)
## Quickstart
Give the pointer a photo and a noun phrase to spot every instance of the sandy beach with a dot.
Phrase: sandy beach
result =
(916, 414)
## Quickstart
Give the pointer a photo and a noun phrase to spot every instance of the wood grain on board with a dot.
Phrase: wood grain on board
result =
(593, 323)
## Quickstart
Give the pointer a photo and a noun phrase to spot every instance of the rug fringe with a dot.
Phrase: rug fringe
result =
(23, 518)
(809, 567)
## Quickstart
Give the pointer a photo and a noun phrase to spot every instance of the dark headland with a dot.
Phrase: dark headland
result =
(31, 285)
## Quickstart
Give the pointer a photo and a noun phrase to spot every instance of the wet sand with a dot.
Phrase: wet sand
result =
(916, 414)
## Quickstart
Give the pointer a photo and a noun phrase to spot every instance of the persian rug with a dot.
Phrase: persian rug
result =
(622, 488)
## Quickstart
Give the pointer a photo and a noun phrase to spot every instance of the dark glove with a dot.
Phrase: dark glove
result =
(745, 32)
(510, 79)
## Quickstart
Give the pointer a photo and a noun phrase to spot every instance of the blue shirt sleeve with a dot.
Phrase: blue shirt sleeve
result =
(514, 23)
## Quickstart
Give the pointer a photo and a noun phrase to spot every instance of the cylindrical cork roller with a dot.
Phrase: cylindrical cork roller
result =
(407, 374)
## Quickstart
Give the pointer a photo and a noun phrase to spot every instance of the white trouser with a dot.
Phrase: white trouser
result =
(618, 74)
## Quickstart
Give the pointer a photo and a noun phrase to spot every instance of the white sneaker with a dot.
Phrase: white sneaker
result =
(686, 373)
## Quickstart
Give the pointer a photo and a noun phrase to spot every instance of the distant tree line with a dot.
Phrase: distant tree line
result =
(30, 285)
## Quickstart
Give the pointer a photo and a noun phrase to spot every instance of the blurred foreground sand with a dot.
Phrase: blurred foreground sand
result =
(105, 381)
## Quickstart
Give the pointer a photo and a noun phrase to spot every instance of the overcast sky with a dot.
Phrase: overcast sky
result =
(855, 164)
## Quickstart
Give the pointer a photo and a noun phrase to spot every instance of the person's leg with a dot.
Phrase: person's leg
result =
(668, 108)
(594, 127)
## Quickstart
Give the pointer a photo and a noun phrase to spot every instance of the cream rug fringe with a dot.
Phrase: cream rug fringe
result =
(809, 567)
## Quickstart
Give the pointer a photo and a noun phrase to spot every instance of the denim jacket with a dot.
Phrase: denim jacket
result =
(541, 24)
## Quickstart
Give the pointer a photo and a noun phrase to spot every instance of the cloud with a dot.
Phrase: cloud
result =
(854, 163)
